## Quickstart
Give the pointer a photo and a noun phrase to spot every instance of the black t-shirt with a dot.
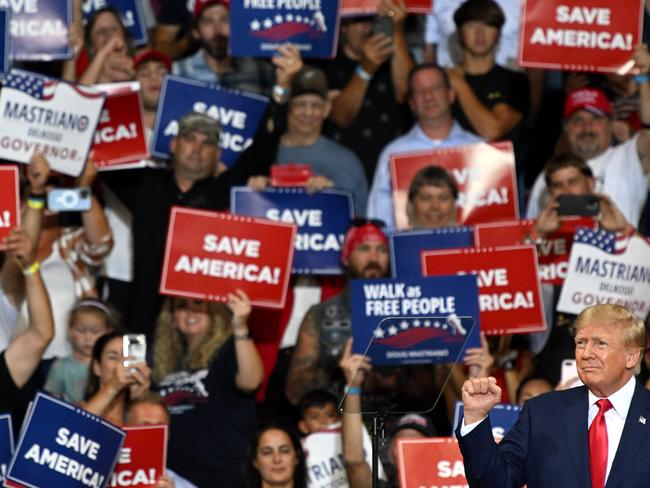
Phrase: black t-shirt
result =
(211, 422)
(499, 85)
(380, 119)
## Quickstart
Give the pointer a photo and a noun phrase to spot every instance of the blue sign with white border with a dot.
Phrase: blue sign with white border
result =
(502, 417)
(406, 247)
(415, 320)
(39, 30)
(238, 112)
(262, 27)
(4, 40)
(6, 444)
(130, 13)
(63, 445)
(322, 218)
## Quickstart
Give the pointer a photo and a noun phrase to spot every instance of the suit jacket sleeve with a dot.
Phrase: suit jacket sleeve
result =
(492, 465)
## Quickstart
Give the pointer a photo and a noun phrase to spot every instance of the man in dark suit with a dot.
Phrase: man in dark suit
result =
(593, 436)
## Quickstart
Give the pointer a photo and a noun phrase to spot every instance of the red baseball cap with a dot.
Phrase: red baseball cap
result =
(201, 5)
(152, 55)
(592, 100)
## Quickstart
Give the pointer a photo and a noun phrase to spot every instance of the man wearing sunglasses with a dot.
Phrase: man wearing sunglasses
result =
(327, 326)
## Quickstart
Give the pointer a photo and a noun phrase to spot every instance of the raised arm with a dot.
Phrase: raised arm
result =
(25, 351)
(355, 367)
(250, 370)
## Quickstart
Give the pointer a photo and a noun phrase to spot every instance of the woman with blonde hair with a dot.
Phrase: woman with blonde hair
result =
(206, 368)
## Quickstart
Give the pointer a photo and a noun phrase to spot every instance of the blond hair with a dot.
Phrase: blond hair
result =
(632, 329)
(170, 348)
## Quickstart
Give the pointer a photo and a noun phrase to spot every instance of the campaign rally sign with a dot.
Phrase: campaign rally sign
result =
(414, 320)
(262, 26)
(434, 462)
(39, 29)
(51, 116)
(143, 456)
(405, 247)
(4, 40)
(130, 12)
(6, 444)
(238, 112)
(580, 35)
(9, 200)
(120, 140)
(324, 458)
(361, 7)
(552, 252)
(322, 219)
(502, 417)
(211, 254)
(484, 174)
(64, 445)
(509, 290)
(604, 268)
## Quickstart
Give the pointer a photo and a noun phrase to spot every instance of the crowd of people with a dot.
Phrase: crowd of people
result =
(72, 284)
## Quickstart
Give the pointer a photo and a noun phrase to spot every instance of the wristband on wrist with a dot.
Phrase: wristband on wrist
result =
(242, 336)
(641, 79)
(362, 73)
(32, 268)
(35, 203)
(353, 390)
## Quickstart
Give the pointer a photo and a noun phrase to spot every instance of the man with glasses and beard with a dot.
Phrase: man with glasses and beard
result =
(211, 63)
(327, 326)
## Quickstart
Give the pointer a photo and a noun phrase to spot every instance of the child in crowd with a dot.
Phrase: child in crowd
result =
(89, 320)
(318, 411)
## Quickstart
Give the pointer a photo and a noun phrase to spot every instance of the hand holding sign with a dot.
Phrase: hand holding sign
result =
(288, 63)
(396, 9)
(240, 306)
(479, 396)
(641, 59)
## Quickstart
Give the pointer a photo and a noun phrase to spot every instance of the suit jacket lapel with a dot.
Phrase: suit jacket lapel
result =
(634, 432)
(577, 437)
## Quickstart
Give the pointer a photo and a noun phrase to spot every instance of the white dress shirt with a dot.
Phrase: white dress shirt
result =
(614, 418)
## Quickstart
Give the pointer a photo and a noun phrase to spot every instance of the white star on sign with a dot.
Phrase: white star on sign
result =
(278, 19)
(427, 323)
(416, 323)
(404, 325)
(255, 25)
(268, 23)
(289, 17)
(379, 334)
(392, 330)
(436, 324)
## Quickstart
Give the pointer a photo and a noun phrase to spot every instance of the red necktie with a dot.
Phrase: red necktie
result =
(598, 445)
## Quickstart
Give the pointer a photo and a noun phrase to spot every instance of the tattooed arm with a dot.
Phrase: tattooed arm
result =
(304, 375)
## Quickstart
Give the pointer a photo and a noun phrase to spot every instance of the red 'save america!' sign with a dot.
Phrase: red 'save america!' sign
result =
(580, 35)
(510, 299)
(210, 254)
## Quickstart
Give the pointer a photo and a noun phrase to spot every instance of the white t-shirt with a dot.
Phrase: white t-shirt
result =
(619, 175)
(440, 30)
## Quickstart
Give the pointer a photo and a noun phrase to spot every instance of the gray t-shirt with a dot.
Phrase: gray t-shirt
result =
(329, 159)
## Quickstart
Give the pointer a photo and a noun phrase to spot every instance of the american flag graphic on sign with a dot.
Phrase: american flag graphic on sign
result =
(403, 332)
(602, 239)
(39, 87)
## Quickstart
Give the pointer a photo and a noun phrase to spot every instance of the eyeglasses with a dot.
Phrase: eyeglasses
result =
(361, 221)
